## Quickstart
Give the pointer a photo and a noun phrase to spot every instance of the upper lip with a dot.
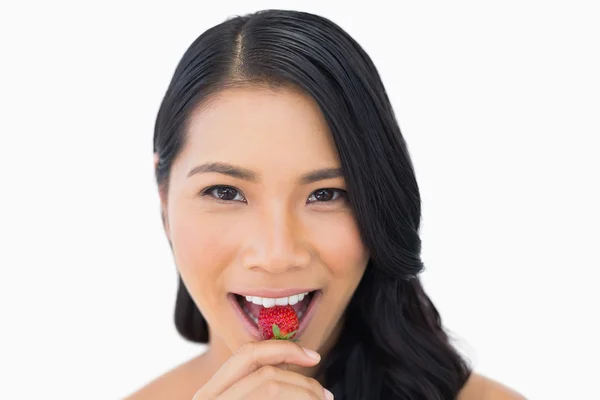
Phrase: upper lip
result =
(273, 293)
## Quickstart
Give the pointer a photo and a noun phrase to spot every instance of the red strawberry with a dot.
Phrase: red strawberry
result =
(279, 322)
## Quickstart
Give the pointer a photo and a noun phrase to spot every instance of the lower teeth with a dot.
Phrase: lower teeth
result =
(255, 319)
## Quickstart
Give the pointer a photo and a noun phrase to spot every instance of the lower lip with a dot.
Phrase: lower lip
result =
(252, 327)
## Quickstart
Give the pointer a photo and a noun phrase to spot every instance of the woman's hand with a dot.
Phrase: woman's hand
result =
(252, 373)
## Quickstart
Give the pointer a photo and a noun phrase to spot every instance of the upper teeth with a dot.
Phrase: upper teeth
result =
(280, 301)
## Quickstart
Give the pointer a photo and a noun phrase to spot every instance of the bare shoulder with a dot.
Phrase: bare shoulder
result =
(179, 383)
(479, 387)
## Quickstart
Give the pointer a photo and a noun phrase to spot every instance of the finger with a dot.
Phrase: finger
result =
(282, 390)
(245, 387)
(254, 355)
(284, 367)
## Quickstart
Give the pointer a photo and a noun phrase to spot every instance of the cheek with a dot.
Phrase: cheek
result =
(202, 245)
(340, 247)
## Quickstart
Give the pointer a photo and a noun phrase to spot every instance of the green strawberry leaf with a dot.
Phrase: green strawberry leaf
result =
(277, 335)
(280, 338)
(289, 335)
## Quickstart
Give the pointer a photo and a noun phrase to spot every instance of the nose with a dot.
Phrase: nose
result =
(276, 243)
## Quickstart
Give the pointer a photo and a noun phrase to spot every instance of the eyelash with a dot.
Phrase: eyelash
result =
(207, 192)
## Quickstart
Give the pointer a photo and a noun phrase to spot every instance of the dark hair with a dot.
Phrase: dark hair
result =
(393, 345)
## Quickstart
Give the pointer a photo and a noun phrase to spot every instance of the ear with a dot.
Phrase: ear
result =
(162, 192)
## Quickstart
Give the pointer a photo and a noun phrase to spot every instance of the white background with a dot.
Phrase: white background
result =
(499, 104)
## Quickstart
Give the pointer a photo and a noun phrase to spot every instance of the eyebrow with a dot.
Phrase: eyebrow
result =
(251, 176)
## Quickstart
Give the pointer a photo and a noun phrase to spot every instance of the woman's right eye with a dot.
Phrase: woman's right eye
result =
(224, 194)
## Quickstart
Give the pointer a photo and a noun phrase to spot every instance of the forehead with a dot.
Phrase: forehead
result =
(260, 126)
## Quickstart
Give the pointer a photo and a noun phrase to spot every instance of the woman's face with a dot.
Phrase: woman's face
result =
(255, 208)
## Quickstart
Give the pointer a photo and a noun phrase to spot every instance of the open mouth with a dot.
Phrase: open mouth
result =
(252, 305)
(248, 308)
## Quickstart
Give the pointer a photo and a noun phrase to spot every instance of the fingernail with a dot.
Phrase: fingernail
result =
(328, 394)
(312, 354)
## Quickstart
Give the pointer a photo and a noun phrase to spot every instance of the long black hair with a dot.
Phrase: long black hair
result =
(393, 345)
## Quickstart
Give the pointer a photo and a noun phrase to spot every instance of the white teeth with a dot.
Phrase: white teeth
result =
(283, 301)
(257, 300)
(280, 301)
(268, 303)
(293, 299)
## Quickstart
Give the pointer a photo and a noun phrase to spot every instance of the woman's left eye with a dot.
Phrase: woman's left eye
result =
(326, 195)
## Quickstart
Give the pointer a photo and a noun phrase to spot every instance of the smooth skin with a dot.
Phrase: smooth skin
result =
(274, 231)
(252, 374)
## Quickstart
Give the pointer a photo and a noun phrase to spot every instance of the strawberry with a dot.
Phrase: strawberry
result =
(279, 322)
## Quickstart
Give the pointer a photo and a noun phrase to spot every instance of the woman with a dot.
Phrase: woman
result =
(285, 183)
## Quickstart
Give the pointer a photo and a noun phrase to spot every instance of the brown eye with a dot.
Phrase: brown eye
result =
(224, 194)
(326, 195)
